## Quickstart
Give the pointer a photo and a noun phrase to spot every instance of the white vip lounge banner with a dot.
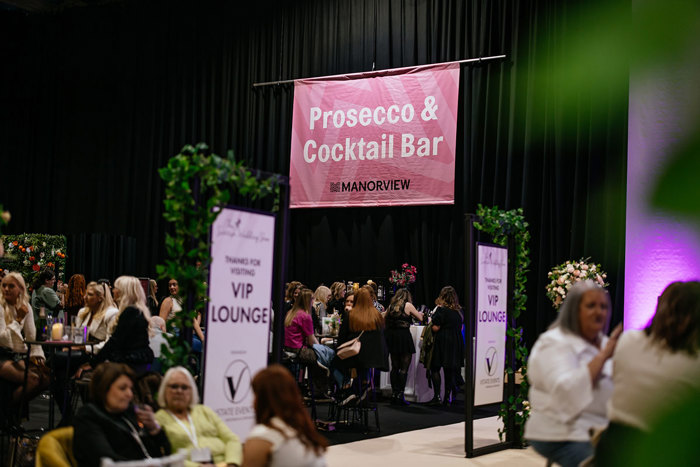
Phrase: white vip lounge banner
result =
(239, 315)
(491, 293)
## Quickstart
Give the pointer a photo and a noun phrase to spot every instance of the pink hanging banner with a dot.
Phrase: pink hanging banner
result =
(383, 138)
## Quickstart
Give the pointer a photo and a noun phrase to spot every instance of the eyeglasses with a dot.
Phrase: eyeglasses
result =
(181, 387)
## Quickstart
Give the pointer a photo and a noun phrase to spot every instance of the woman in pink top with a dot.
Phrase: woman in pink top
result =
(298, 325)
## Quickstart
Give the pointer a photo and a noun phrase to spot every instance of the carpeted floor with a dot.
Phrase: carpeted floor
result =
(398, 419)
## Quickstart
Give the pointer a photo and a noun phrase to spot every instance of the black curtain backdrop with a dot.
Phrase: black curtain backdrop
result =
(95, 99)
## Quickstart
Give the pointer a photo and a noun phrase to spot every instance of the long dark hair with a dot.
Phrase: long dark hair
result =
(277, 395)
(676, 323)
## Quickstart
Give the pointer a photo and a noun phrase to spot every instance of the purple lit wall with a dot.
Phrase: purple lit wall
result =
(659, 248)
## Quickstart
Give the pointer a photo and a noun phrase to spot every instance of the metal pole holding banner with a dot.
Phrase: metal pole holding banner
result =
(477, 61)
(280, 274)
(485, 395)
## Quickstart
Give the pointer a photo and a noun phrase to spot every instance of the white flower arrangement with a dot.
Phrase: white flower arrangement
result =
(563, 276)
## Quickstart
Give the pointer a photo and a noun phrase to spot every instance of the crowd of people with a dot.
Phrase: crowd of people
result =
(583, 381)
(580, 378)
(384, 335)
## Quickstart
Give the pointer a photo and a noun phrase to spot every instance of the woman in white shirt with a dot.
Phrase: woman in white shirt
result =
(655, 369)
(571, 377)
(98, 314)
(16, 324)
(284, 434)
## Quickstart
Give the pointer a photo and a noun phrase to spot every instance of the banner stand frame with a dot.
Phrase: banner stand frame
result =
(509, 388)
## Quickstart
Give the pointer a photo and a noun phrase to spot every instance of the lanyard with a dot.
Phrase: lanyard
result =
(190, 434)
(136, 436)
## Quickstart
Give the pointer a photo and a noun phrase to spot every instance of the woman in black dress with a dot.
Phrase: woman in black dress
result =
(363, 319)
(447, 324)
(398, 319)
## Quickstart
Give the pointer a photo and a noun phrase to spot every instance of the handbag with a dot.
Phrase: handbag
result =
(350, 348)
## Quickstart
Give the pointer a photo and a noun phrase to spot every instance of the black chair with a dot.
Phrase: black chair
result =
(349, 409)
(299, 372)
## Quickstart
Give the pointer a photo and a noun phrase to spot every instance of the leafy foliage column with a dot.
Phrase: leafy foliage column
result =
(500, 225)
(196, 184)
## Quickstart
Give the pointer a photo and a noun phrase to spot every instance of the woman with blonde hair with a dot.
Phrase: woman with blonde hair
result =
(129, 340)
(336, 304)
(319, 306)
(98, 315)
(152, 299)
(16, 325)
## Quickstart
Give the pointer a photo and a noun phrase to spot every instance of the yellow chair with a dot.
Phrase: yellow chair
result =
(56, 449)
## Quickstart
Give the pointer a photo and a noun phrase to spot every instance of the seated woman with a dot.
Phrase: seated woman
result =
(654, 370)
(363, 319)
(173, 304)
(284, 434)
(44, 296)
(193, 426)
(298, 325)
(75, 297)
(109, 426)
(571, 377)
(16, 324)
(129, 339)
(319, 307)
(97, 316)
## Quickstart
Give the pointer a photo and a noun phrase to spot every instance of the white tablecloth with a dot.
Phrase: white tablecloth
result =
(417, 389)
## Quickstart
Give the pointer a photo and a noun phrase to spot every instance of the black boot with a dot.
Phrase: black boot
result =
(401, 378)
(393, 377)
(448, 397)
(435, 401)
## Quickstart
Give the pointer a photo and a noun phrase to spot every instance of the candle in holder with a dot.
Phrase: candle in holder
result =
(57, 331)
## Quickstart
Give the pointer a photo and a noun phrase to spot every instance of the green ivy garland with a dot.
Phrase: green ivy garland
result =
(500, 225)
(187, 248)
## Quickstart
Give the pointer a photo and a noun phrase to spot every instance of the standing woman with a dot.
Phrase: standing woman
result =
(448, 352)
(398, 320)
(16, 324)
(44, 295)
(172, 304)
(75, 296)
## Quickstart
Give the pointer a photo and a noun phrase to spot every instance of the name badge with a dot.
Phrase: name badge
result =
(200, 455)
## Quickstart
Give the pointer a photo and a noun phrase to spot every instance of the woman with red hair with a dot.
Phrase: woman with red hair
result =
(284, 434)
(75, 296)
